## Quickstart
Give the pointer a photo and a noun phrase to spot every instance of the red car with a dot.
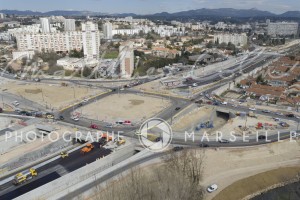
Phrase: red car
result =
(127, 122)
(93, 126)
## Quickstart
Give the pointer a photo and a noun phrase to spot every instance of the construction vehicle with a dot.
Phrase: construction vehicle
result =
(108, 138)
(120, 141)
(251, 114)
(21, 177)
(259, 125)
(64, 154)
(89, 147)
(153, 137)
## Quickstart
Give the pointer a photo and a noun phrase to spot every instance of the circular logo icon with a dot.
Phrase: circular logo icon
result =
(155, 134)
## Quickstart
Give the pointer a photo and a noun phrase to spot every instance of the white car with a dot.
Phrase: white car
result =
(293, 134)
(85, 100)
(224, 103)
(75, 118)
(15, 103)
(277, 119)
(212, 188)
(195, 84)
(253, 109)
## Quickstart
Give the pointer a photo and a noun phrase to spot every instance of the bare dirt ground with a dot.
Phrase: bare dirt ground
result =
(226, 166)
(251, 123)
(51, 95)
(190, 121)
(124, 107)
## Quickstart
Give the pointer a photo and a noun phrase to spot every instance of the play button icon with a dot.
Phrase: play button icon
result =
(155, 134)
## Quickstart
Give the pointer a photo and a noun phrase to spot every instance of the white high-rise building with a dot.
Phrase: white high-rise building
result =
(69, 24)
(59, 41)
(107, 30)
(236, 39)
(283, 28)
(45, 24)
(2, 15)
(126, 56)
(91, 40)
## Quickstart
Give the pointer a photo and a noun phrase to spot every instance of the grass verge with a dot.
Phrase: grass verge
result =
(253, 184)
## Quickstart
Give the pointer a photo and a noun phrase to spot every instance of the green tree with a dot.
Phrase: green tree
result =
(86, 72)
(76, 54)
(260, 79)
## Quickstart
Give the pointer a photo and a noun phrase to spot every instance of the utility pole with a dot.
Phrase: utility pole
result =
(2, 101)
(74, 92)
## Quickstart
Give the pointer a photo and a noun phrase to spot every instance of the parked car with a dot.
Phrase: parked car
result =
(290, 115)
(223, 141)
(266, 111)
(119, 122)
(224, 103)
(93, 126)
(75, 118)
(61, 117)
(18, 110)
(195, 84)
(178, 108)
(23, 113)
(127, 122)
(49, 116)
(15, 103)
(108, 126)
(203, 145)
(262, 137)
(253, 109)
(212, 188)
(177, 148)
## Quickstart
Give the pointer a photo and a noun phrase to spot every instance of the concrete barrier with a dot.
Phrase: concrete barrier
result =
(77, 179)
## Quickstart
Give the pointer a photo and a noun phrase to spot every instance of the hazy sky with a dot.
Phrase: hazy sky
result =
(147, 6)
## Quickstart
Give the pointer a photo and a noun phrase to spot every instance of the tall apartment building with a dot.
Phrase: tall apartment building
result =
(45, 25)
(69, 24)
(236, 39)
(2, 15)
(91, 40)
(282, 28)
(58, 42)
(126, 56)
(107, 30)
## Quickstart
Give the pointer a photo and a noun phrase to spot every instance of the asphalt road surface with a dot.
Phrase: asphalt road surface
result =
(52, 171)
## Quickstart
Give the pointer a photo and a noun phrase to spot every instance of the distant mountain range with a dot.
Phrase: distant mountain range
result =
(221, 12)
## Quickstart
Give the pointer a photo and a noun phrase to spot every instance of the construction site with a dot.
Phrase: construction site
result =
(131, 107)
